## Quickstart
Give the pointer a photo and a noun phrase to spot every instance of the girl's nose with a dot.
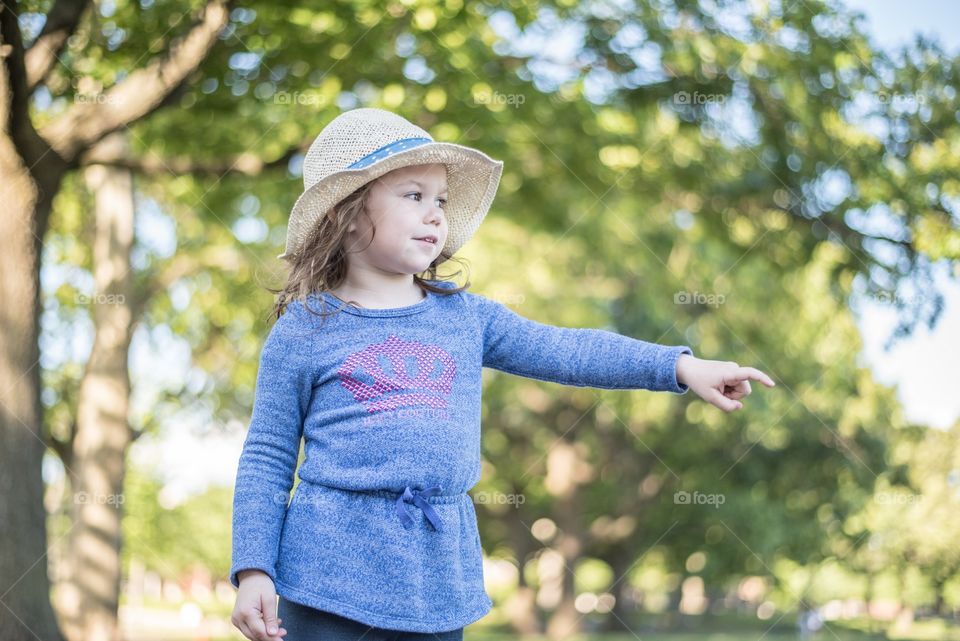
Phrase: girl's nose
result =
(436, 213)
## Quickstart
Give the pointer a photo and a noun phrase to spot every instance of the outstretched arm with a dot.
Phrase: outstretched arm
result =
(582, 357)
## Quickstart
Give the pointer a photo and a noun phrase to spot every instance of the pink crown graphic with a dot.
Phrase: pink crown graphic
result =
(382, 391)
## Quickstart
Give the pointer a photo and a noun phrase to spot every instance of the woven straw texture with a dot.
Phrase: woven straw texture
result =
(472, 176)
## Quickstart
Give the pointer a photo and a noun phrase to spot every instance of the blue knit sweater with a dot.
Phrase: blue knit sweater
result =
(380, 528)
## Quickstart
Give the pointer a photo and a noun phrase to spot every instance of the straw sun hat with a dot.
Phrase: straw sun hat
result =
(363, 144)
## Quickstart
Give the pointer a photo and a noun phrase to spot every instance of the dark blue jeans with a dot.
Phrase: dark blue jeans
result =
(304, 623)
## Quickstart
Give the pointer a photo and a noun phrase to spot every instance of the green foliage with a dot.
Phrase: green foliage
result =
(769, 170)
(170, 540)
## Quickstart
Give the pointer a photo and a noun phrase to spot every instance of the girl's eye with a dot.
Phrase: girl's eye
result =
(419, 195)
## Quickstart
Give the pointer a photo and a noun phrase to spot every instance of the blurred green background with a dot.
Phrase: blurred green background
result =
(758, 180)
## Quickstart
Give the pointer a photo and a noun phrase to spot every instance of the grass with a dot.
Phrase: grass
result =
(724, 627)
(660, 636)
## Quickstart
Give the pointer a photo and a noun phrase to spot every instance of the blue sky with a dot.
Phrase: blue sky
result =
(892, 23)
(923, 368)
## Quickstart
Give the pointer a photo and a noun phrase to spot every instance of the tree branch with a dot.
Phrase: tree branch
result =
(846, 233)
(134, 434)
(14, 103)
(64, 449)
(139, 94)
(247, 163)
(13, 86)
(180, 266)
(43, 53)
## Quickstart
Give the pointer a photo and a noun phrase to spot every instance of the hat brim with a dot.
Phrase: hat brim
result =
(472, 181)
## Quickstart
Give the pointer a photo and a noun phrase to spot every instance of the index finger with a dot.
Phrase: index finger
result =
(753, 373)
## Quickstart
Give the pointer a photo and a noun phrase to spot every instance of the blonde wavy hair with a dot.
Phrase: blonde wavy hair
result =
(321, 264)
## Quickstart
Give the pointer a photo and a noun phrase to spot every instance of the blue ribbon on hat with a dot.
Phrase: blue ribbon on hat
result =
(418, 498)
(394, 147)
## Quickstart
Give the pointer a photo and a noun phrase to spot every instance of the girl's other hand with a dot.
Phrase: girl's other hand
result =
(255, 613)
(720, 383)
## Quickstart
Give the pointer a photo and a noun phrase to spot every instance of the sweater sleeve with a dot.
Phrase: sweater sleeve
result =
(582, 357)
(268, 460)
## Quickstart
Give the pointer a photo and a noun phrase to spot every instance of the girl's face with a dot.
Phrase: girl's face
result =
(405, 205)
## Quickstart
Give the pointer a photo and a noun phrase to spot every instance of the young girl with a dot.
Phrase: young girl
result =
(380, 539)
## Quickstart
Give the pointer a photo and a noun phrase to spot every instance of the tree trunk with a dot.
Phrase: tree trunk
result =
(566, 471)
(32, 166)
(103, 434)
(940, 602)
(25, 611)
(872, 627)
(622, 617)
(522, 606)
(565, 621)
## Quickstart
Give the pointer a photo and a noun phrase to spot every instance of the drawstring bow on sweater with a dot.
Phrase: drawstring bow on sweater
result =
(418, 498)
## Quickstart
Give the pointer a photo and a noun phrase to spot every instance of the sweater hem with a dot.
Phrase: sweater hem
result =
(402, 624)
